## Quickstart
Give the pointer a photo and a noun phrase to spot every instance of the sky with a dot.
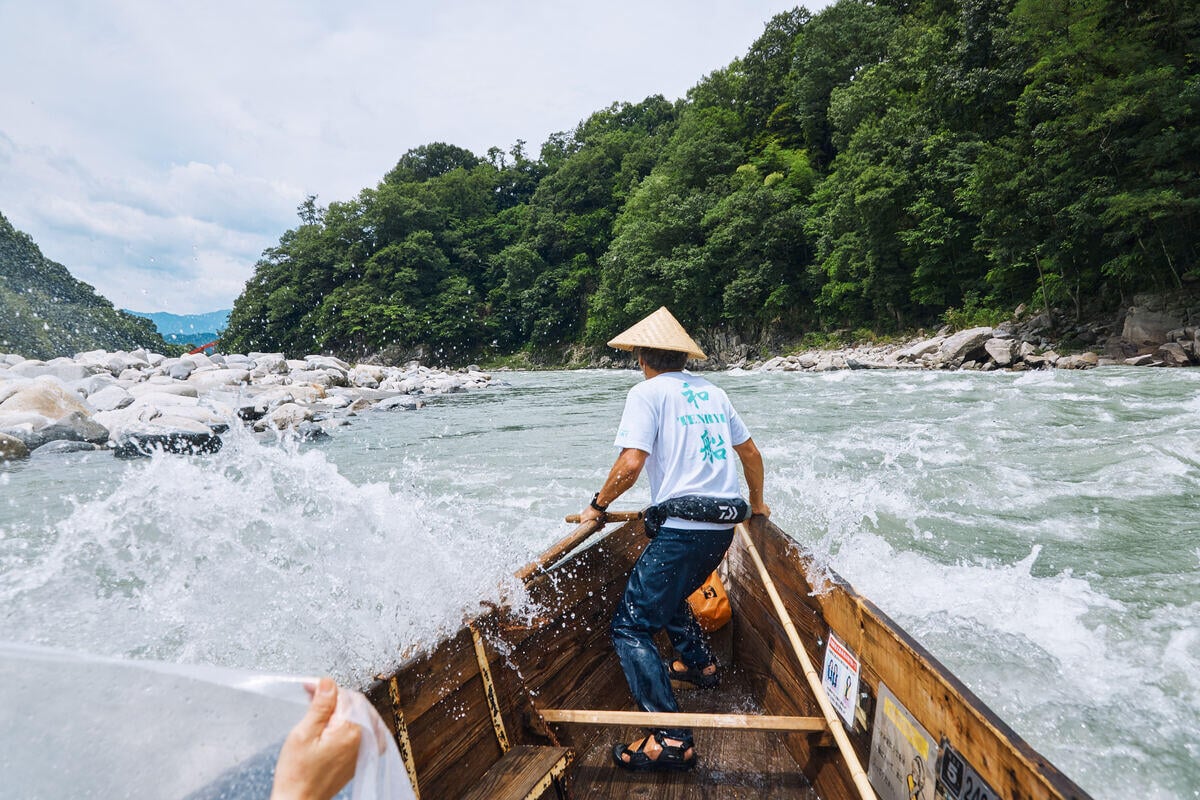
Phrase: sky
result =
(157, 148)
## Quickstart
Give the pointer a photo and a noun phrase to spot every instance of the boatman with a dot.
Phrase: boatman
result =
(682, 430)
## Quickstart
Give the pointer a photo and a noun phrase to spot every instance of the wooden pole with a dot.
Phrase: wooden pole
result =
(747, 722)
(611, 516)
(814, 680)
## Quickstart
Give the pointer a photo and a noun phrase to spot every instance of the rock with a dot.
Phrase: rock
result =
(327, 362)
(963, 345)
(269, 364)
(1146, 327)
(318, 377)
(1171, 354)
(1051, 357)
(289, 415)
(177, 388)
(181, 371)
(63, 446)
(75, 427)
(311, 432)
(399, 403)
(1141, 361)
(215, 379)
(12, 448)
(773, 365)
(915, 351)
(1088, 360)
(46, 396)
(93, 384)
(1120, 348)
(171, 434)
(1000, 350)
(64, 369)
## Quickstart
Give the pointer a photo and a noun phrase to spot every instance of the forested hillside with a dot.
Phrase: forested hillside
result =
(45, 312)
(867, 167)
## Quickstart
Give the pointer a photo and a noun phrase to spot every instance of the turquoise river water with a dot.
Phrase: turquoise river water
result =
(1038, 532)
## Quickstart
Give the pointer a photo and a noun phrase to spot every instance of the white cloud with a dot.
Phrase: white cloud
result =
(143, 144)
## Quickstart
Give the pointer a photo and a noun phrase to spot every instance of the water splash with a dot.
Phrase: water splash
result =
(261, 557)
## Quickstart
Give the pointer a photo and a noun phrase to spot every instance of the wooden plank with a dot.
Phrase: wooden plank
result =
(524, 772)
(731, 722)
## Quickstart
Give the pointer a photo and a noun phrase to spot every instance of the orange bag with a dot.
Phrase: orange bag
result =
(710, 604)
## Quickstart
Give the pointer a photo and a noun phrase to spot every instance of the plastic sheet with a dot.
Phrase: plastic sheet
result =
(75, 725)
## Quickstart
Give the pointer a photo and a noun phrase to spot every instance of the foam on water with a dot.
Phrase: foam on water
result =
(260, 557)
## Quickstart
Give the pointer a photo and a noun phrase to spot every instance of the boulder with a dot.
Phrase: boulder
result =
(289, 415)
(318, 377)
(963, 345)
(110, 398)
(62, 447)
(165, 386)
(174, 435)
(12, 448)
(269, 364)
(181, 371)
(918, 349)
(46, 396)
(1000, 350)
(1171, 354)
(327, 362)
(64, 369)
(93, 384)
(399, 403)
(75, 427)
(1145, 360)
(772, 365)
(1146, 327)
(217, 378)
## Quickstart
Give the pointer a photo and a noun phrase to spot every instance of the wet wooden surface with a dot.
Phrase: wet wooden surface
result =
(732, 764)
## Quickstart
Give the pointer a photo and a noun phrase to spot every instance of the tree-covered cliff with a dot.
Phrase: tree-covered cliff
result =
(870, 166)
(45, 313)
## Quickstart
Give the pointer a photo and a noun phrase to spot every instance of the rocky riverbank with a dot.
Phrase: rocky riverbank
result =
(134, 403)
(1152, 334)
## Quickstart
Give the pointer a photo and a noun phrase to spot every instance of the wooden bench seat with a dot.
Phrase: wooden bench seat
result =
(523, 773)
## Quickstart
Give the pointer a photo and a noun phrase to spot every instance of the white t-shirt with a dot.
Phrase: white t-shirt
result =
(689, 428)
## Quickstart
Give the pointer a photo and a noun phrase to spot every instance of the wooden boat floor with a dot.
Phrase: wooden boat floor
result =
(732, 764)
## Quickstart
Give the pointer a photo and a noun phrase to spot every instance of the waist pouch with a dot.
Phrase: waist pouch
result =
(698, 508)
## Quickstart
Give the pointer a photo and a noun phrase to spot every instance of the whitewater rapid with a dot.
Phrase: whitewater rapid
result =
(1039, 533)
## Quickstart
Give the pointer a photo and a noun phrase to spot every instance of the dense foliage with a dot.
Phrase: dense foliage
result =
(46, 313)
(873, 165)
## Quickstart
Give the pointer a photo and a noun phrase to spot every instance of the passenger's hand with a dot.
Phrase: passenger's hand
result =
(318, 756)
(760, 510)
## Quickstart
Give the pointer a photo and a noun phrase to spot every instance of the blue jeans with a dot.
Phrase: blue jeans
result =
(672, 566)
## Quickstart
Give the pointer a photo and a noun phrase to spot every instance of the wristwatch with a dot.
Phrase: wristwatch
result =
(596, 503)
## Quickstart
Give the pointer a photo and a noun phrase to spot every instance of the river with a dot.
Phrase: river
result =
(1038, 532)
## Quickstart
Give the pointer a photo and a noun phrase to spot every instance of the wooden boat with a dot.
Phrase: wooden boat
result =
(522, 708)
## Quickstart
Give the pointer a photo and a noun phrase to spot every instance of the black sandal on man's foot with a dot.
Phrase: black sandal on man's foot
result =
(672, 757)
(694, 676)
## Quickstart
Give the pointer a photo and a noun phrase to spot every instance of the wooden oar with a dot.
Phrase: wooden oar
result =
(571, 541)
(814, 680)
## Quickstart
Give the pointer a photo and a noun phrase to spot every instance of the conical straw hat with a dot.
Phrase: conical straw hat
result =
(661, 331)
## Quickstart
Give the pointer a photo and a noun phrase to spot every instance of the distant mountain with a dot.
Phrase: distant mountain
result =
(186, 324)
(45, 312)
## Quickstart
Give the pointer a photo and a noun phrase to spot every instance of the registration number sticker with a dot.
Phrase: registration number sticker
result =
(958, 780)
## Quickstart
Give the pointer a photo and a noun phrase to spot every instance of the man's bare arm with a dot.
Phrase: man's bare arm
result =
(752, 466)
(623, 475)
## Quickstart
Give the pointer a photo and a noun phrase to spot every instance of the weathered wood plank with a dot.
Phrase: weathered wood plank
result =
(520, 774)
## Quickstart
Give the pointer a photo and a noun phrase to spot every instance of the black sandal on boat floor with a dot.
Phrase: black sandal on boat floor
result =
(671, 758)
(694, 676)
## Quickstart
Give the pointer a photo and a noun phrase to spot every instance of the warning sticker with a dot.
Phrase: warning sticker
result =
(840, 678)
(902, 752)
(958, 780)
